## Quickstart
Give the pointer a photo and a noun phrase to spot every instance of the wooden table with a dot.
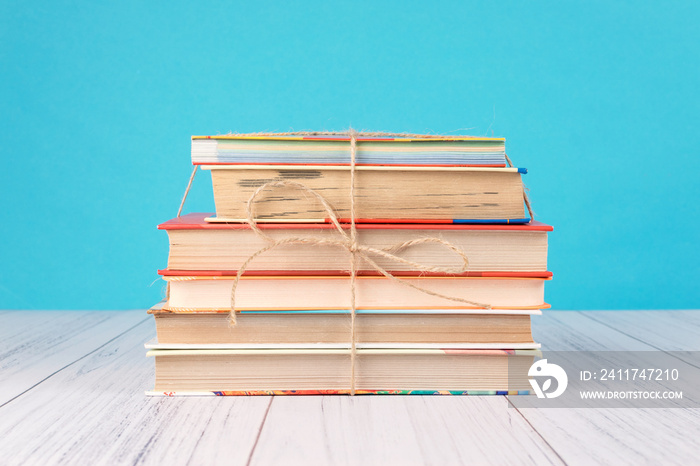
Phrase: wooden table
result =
(72, 391)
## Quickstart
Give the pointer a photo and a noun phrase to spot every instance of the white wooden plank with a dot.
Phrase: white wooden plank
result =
(95, 412)
(397, 430)
(35, 344)
(569, 331)
(610, 436)
(663, 330)
(676, 331)
(619, 436)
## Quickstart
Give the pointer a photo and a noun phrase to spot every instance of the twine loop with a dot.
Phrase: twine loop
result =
(352, 246)
(348, 241)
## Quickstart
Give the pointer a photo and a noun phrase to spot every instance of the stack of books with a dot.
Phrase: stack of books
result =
(293, 331)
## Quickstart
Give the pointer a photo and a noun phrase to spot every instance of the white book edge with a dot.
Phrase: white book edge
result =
(154, 345)
(533, 312)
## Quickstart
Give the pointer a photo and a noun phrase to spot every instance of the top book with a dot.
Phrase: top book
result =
(461, 151)
(400, 179)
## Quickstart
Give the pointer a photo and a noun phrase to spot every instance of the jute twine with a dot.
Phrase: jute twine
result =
(347, 240)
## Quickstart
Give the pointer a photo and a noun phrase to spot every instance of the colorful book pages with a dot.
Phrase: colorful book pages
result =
(329, 150)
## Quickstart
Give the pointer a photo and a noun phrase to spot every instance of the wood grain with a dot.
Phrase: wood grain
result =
(610, 436)
(88, 406)
(573, 331)
(676, 331)
(397, 430)
(95, 412)
(35, 344)
(663, 330)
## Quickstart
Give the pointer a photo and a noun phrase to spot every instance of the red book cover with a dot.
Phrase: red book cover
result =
(196, 221)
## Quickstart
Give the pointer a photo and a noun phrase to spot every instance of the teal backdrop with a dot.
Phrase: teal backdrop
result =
(598, 99)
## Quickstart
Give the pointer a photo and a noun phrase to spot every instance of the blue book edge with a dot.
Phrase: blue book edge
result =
(498, 221)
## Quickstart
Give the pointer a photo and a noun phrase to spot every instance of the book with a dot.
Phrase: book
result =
(330, 328)
(265, 293)
(335, 149)
(298, 371)
(382, 194)
(294, 332)
(198, 247)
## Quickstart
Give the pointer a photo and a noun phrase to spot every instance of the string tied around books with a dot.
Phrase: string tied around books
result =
(348, 239)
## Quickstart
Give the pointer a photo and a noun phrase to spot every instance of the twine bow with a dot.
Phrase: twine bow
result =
(348, 241)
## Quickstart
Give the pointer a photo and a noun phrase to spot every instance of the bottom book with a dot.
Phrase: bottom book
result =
(341, 392)
(328, 371)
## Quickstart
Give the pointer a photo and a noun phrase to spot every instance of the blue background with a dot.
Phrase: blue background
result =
(598, 99)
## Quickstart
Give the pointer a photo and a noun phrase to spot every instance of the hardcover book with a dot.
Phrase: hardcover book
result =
(333, 150)
(330, 328)
(382, 193)
(299, 371)
(419, 203)
(201, 248)
(263, 293)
